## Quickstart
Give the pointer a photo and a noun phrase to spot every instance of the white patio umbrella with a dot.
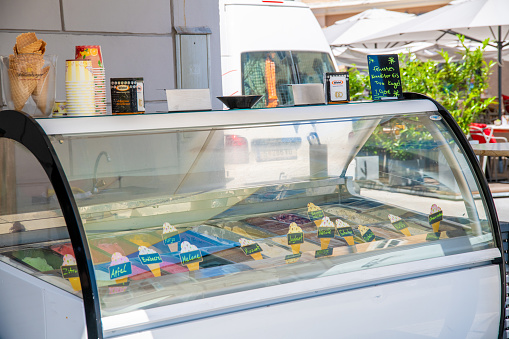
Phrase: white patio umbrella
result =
(343, 32)
(475, 19)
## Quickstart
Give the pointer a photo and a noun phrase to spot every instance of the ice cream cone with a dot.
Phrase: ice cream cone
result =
(317, 222)
(75, 282)
(193, 266)
(349, 240)
(406, 232)
(436, 226)
(34, 47)
(295, 248)
(121, 281)
(20, 90)
(40, 94)
(155, 269)
(324, 243)
(257, 256)
(25, 39)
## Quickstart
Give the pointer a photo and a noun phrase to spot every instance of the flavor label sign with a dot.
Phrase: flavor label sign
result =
(436, 217)
(326, 232)
(400, 224)
(251, 249)
(191, 257)
(345, 232)
(70, 271)
(293, 257)
(120, 271)
(323, 253)
(368, 236)
(316, 215)
(152, 258)
(384, 76)
(171, 238)
(295, 238)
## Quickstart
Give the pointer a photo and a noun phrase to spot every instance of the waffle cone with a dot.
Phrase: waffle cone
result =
(193, 266)
(257, 256)
(406, 232)
(25, 39)
(20, 89)
(34, 47)
(324, 243)
(75, 282)
(349, 240)
(155, 269)
(318, 222)
(40, 93)
(295, 248)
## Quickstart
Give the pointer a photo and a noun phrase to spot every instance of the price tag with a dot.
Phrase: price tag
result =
(436, 217)
(368, 236)
(316, 215)
(400, 224)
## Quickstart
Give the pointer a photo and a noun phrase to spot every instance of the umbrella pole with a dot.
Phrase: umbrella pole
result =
(499, 48)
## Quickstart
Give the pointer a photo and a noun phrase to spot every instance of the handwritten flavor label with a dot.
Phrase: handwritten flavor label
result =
(345, 232)
(326, 232)
(384, 76)
(251, 249)
(433, 236)
(171, 238)
(400, 224)
(368, 236)
(152, 258)
(436, 217)
(70, 271)
(191, 257)
(120, 271)
(323, 253)
(295, 238)
(316, 215)
(293, 257)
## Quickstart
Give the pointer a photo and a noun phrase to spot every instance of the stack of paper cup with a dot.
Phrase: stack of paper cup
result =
(93, 53)
(79, 86)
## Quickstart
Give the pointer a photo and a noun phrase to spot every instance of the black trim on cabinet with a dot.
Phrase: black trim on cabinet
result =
(22, 128)
(469, 152)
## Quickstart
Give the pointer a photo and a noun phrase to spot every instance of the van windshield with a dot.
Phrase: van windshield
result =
(269, 73)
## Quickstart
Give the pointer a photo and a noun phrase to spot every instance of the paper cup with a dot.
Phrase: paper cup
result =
(90, 52)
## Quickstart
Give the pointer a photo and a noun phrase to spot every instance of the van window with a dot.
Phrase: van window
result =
(269, 73)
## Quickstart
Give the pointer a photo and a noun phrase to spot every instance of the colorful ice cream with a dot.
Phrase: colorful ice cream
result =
(186, 246)
(170, 231)
(325, 223)
(245, 242)
(341, 225)
(117, 259)
(148, 253)
(294, 229)
(69, 260)
(399, 224)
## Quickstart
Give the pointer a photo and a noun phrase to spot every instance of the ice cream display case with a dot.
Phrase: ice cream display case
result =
(358, 220)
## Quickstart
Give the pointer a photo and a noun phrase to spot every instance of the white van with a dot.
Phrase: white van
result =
(268, 45)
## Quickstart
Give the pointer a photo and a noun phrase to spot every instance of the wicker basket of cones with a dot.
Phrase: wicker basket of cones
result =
(28, 76)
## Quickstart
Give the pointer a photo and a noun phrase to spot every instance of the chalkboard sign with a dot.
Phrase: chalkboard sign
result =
(120, 271)
(171, 238)
(326, 232)
(345, 232)
(433, 236)
(295, 238)
(323, 253)
(368, 236)
(251, 249)
(70, 271)
(384, 76)
(293, 256)
(436, 217)
(316, 215)
(191, 257)
(152, 258)
(400, 224)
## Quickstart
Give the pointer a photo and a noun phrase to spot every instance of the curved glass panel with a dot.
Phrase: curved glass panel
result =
(174, 216)
(33, 232)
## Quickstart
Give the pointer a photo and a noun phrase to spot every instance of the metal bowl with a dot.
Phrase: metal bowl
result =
(240, 101)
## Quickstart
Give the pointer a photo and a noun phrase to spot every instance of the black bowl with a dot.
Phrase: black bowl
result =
(240, 101)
